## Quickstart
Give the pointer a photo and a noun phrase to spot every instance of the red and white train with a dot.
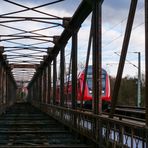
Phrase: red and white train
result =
(87, 97)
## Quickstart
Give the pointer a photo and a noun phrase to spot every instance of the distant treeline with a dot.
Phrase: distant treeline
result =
(128, 91)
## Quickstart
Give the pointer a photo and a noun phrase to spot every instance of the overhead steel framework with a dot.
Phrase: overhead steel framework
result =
(27, 45)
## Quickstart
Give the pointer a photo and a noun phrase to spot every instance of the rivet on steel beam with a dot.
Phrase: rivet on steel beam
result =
(1, 49)
(66, 21)
(7, 64)
(5, 57)
(41, 62)
(44, 57)
(36, 66)
(55, 39)
(49, 50)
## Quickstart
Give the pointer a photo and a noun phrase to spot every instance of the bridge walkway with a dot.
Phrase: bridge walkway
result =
(25, 126)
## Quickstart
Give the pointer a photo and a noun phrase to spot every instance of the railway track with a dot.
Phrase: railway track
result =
(131, 111)
(125, 112)
(25, 126)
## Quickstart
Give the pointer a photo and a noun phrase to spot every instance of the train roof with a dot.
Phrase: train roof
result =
(89, 71)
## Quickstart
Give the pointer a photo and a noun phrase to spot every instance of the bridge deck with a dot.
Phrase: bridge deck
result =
(25, 126)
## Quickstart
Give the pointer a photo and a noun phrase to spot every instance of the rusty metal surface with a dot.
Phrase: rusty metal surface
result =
(146, 59)
(97, 55)
(7, 84)
(49, 84)
(123, 54)
(62, 72)
(115, 132)
(54, 80)
(24, 65)
(74, 68)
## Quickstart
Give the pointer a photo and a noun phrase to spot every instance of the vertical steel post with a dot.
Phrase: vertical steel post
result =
(28, 96)
(49, 83)
(30, 93)
(97, 56)
(9, 90)
(1, 75)
(4, 86)
(62, 70)
(7, 86)
(1, 81)
(97, 66)
(74, 69)
(6, 83)
(86, 65)
(46, 101)
(37, 90)
(40, 85)
(33, 91)
(44, 82)
(146, 68)
(54, 79)
(38, 78)
(139, 81)
(123, 55)
(44, 85)
(146, 60)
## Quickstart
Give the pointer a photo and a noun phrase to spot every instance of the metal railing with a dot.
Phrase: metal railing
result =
(100, 129)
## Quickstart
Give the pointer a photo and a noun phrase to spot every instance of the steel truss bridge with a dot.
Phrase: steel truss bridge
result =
(29, 54)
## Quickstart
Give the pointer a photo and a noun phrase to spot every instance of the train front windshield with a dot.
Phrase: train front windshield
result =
(89, 80)
(89, 83)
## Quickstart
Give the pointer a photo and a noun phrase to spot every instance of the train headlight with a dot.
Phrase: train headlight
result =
(90, 91)
(103, 91)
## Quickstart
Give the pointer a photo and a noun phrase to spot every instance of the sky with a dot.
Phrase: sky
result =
(114, 22)
(114, 18)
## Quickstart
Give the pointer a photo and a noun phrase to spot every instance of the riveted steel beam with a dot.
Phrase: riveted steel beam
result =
(24, 66)
(54, 80)
(49, 84)
(78, 18)
(74, 69)
(62, 71)
(123, 55)
(1, 74)
(146, 62)
(66, 21)
(97, 56)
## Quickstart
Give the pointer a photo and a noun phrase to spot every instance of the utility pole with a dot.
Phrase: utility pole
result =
(139, 81)
(138, 100)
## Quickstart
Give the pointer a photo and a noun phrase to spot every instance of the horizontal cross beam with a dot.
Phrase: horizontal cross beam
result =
(24, 65)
